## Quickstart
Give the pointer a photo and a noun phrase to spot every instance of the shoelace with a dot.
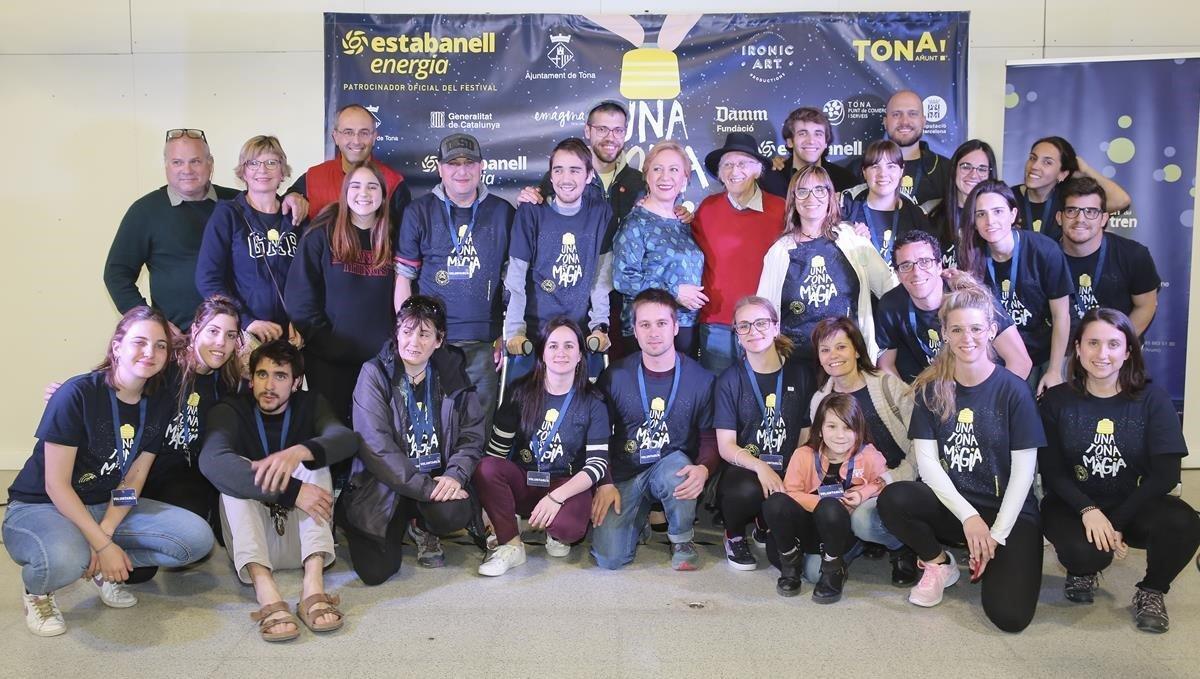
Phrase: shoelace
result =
(1150, 602)
(45, 607)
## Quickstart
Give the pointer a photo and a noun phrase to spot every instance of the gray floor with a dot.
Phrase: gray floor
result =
(567, 618)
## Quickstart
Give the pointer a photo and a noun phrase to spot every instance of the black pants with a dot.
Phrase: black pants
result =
(376, 561)
(825, 529)
(740, 496)
(911, 511)
(1166, 527)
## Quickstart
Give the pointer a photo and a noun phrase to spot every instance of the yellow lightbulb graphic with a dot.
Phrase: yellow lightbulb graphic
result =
(966, 416)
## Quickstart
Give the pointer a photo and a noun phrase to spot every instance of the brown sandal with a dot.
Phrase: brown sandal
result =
(305, 610)
(266, 626)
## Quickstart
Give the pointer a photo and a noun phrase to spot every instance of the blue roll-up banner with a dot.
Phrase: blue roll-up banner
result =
(1134, 120)
(521, 83)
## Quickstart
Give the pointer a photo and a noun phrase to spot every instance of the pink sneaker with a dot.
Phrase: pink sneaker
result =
(937, 577)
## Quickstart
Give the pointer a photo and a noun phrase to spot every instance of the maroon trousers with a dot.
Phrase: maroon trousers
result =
(504, 493)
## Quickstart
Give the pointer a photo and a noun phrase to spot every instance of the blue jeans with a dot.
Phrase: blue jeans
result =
(719, 348)
(868, 527)
(481, 369)
(615, 541)
(53, 553)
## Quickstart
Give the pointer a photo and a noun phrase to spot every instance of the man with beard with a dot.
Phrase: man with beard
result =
(925, 172)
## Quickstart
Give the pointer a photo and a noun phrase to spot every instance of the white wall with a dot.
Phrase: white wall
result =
(88, 94)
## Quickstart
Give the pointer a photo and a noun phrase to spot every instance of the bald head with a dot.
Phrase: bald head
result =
(904, 119)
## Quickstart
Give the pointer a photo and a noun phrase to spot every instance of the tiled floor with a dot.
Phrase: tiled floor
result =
(568, 618)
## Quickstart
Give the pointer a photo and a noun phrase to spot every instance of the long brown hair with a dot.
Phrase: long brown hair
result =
(827, 328)
(343, 235)
(1132, 376)
(846, 408)
(185, 354)
(936, 383)
(530, 391)
(783, 344)
(137, 313)
(973, 251)
(833, 211)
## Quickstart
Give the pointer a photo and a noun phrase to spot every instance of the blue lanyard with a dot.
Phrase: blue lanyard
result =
(454, 238)
(1046, 208)
(849, 481)
(1013, 271)
(422, 424)
(867, 212)
(540, 448)
(137, 435)
(762, 403)
(916, 329)
(262, 430)
(1095, 278)
(670, 400)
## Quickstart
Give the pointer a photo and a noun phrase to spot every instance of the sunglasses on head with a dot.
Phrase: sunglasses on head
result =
(185, 132)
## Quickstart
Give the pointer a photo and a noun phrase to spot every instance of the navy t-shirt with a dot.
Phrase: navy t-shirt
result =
(1128, 270)
(1106, 443)
(634, 429)
(186, 428)
(820, 282)
(584, 424)
(915, 347)
(1040, 217)
(975, 446)
(776, 432)
(885, 225)
(465, 277)
(1043, 276)
(79, 415)
(563, 253)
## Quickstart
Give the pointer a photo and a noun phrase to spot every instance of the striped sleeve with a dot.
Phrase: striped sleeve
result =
(504, 430)
(598, 433)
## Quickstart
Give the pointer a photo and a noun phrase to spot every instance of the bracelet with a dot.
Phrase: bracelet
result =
(106, 546)
(551, 497)
(1087, 509)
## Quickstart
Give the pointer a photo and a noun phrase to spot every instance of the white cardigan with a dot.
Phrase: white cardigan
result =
(874, 276)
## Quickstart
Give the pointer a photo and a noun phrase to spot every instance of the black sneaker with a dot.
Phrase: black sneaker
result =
(1150, 611)
(737, 553)
(829, 586)
(1081, 588)
(904, 567)
(759, 535)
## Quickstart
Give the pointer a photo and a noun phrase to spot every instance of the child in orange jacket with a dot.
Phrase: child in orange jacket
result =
(827, 480)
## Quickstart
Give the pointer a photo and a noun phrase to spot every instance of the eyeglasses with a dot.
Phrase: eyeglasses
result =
(759, 324)
(1088, 212)
(743, 165)
(818, 191)
(188, 132)
(270, 164)
(361, 134)
(423, 306)
(969, 169)
(604, 130)
(924, 264)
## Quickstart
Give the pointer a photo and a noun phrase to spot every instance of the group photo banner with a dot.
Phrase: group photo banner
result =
(521, 83)
(1134, 120)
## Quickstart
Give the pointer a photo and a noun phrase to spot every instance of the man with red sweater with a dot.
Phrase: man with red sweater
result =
(354, 134)
(734, 228)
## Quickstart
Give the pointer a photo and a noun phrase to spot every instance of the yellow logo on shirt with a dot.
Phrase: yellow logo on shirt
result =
(127, 432)
(193, 399)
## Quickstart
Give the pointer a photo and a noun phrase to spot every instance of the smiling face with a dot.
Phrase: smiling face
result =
(837, 355)
(416, 341)
(808, 141)
(965, 180)
(354, 135)
(755, 340)
(1102, 350)
(562, 352)
(811, 207)
(969, 334)
(364, 195)
(904, 118)
(1043, 168)
(737, 171)
(569, 176)
(883, 178)
(141, 353)
(605, 134)
(655, 327)
(217, 341)
(993, 217)
(1081, 229)
(273, 385)
(189, 166)
(263, 173)
(920, 283)
(666, 176)
(460, 179)
(837, 436)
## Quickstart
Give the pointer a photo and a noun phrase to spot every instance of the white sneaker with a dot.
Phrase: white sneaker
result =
(555, 548)
(114, 594)
(501, 559)
(42, 616)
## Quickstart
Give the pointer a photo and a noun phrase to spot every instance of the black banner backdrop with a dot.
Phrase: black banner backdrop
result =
(521, 83)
